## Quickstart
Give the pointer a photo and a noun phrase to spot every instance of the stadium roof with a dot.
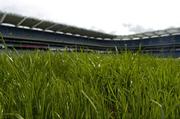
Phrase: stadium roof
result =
(158, 33)
(33, 23)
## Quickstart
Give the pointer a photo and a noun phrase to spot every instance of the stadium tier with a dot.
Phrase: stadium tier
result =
(29, 33)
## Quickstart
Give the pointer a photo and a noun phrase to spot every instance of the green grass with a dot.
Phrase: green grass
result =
(55, 85)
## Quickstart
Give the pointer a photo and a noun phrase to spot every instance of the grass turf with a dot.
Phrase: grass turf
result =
(52, 85)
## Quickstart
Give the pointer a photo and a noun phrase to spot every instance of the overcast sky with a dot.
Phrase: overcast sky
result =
(111, 16)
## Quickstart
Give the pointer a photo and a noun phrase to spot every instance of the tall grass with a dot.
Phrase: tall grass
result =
(54, 85)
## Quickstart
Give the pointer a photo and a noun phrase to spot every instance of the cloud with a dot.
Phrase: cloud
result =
(108, 15)
(22, 8)
(136, 28)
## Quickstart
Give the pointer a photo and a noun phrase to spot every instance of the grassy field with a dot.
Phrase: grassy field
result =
(47, 85)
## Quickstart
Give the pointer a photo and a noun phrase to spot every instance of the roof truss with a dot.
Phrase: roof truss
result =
(3, 17)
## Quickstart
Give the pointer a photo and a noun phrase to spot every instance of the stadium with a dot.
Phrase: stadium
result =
(21, 32)
(50, 70)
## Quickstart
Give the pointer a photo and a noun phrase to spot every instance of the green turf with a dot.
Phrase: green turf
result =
(55, 85)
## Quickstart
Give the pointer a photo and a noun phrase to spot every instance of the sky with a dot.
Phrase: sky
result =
(119, 17)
